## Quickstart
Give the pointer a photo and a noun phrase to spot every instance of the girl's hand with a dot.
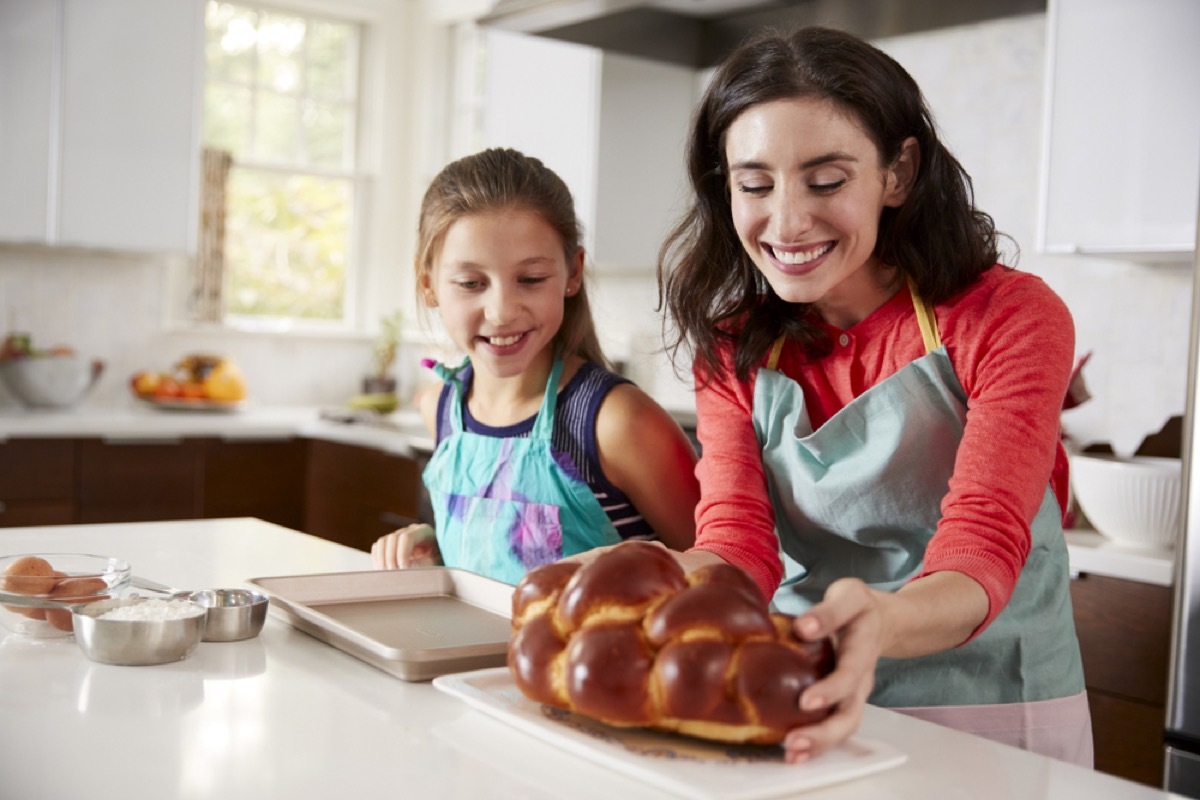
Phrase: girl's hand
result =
(851, 614)
(413, 546)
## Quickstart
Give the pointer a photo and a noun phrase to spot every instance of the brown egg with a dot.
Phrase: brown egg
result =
(73, 590)
(29, 575)
(32, 613)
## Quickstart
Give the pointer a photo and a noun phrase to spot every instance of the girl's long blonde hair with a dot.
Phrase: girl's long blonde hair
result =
(500, 179)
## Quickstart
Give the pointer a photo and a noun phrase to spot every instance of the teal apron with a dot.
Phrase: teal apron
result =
(503, 506)
(862, 496)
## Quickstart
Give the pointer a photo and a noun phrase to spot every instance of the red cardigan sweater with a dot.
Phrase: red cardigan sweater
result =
(1011, 342)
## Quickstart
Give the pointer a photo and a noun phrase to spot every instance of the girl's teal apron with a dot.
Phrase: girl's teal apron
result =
(861, 497)
(503, 506)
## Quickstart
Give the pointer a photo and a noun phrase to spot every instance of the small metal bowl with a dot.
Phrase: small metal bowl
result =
(137, 642)
(233, 614)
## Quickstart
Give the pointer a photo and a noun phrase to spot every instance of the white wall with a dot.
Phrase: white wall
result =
(985, 86)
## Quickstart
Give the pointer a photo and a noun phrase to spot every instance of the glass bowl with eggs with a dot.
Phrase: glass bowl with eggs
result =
(39, 590)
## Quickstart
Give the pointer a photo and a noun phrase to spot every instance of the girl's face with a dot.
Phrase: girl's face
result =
(807, 189)
(499, 280)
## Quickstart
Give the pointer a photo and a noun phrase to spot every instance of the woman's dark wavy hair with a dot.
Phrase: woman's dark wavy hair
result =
(712, 291)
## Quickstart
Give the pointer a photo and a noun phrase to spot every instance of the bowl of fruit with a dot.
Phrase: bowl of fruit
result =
(198, 382)
(55, 377)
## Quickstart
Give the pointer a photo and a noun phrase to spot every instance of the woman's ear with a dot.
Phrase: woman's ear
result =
(902, 174)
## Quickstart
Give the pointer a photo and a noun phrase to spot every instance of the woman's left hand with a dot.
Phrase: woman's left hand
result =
(933, 613)
(852, 616)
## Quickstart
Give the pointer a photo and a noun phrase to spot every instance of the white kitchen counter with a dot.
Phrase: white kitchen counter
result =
(402, 431)
(1093, 553)
(284, 715)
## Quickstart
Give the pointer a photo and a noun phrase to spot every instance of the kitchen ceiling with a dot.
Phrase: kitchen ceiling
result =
(699, 33)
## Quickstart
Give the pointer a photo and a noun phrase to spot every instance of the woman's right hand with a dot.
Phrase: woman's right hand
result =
(413, 546)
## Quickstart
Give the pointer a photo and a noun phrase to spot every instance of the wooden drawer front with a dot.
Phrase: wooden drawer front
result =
(263, 479)
(37, 469)
(15, 513)
(355, 494)
(393, 483)
(1128, 738)
(1124, 630)
(139, 480)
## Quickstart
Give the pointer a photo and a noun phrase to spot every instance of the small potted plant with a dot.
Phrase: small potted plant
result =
(381, 381)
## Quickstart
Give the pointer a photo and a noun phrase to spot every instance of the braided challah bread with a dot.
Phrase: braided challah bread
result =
(630, 640)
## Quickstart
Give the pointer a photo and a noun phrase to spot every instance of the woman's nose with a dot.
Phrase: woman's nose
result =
(792, 215)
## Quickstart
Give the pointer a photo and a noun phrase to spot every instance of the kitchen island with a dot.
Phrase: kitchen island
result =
(285, 715)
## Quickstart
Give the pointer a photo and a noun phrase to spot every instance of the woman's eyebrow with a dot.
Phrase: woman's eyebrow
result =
(817, 161)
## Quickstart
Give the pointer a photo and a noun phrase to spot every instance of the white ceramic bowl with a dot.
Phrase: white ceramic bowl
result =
(1134, 501)
(50, 381)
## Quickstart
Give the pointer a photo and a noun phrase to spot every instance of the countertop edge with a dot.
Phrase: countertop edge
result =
(1092, 553)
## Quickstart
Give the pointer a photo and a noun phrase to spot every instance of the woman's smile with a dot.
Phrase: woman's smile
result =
(796, 259)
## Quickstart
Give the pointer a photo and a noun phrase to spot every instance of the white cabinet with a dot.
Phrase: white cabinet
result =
(28, 41)
(101, 105)
(1121, 161)
(612, 126)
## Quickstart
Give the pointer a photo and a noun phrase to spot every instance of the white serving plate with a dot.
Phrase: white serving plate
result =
(414, 624)
(681, 765)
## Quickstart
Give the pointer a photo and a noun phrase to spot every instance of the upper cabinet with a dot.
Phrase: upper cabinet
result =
(612, 126)
(1121, 161)
(99, 123)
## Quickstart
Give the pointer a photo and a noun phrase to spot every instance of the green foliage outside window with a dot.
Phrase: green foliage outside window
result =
(281, 97)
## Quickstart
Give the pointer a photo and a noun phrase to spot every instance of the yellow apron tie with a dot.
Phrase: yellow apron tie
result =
(925, 319)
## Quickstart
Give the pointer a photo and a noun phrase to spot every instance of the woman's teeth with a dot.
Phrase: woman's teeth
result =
(503, 341)
(802, 256)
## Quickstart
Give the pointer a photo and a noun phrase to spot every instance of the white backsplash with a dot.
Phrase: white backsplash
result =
(114, 308)
(984, 83)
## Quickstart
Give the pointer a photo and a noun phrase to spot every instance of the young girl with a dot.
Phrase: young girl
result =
(878, 399)
(542, 452)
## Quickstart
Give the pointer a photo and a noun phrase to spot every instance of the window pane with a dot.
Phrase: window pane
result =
(279, 52)
(227, 118)
(330, 60)
(275, 128)
(229, 49)
(287, 245)
(326, 129)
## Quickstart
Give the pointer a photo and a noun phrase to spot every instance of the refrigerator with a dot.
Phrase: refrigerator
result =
(1182, 740)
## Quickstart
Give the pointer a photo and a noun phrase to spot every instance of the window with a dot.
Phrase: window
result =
(281, 109)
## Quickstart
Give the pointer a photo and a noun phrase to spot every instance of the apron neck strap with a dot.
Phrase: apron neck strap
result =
(543, 427)
(925, 319)
(450, 375)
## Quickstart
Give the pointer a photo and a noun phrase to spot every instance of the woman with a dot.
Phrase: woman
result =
(878, 399)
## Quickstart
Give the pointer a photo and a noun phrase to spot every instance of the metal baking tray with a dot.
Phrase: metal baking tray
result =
(414, 624)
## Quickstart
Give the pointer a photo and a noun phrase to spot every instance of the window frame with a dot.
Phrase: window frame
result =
(359, 176)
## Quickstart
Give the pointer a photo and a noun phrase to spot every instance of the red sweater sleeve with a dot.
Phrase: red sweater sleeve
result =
(734, 518)
(1012, 344)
